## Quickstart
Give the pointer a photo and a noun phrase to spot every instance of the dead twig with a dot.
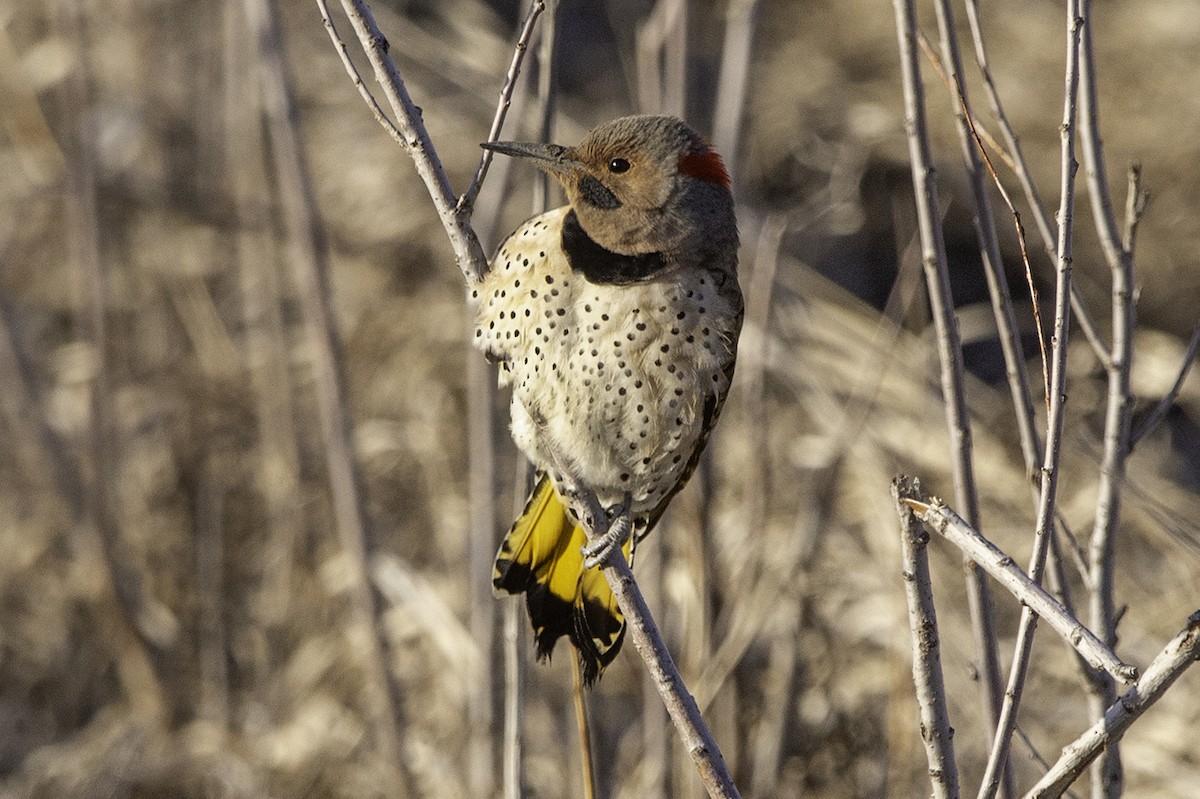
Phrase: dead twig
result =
(468, 252)
(467, 200)
(948, 524)
(1016, 160)
(949, 346)
(1181, 652)
(926, 652)
(997, 764)
(1107, 773)
(1160, 409)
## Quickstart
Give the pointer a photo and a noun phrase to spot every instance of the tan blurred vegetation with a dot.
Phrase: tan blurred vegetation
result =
(175, 615)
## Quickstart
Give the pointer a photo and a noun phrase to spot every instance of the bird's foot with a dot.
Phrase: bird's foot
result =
(598, 551)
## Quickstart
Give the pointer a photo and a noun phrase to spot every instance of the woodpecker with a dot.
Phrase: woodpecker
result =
(615, 320)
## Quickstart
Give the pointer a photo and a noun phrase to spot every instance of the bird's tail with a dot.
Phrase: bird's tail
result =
(541, 558)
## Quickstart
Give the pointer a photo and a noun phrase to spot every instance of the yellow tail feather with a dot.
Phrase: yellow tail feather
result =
(541, 558)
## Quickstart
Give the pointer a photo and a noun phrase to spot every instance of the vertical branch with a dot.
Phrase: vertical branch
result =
(949, 346)
(998, 756)
(985, 230)
(481, 549)
(926, 654)
(662, 59)
(456, 221)
(467, 200)
(311, 266)
(1082, 318)
(1107, 774)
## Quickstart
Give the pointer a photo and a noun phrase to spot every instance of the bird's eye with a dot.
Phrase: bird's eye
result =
(618, 165)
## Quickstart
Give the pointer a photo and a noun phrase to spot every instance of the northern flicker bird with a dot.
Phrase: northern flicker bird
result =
(615, 319)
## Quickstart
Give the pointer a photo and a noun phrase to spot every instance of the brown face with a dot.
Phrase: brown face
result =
(631, 183)
(619, 173)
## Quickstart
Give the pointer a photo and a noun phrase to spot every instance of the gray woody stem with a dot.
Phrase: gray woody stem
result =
(948, 524)
(927, 665)
(1182, 651)
(468, 252)
(998, 758)
(937, 278)
(1107, 774)
(681, 705)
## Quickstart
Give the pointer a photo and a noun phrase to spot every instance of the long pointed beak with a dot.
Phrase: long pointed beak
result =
(551, 157)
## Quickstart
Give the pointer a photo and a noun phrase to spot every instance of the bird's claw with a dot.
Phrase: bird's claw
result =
(598, 551)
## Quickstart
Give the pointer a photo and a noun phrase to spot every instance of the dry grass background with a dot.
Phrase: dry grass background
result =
(158, 406)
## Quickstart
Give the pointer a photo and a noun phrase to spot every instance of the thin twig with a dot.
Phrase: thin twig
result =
(356, 77)
(948, 524)
(1159, 410)
(648, 641)
(937, 279)
(1107, 773)
(467, 201)
(1002, 307)
(1016, 159)
(926, 653)
(1136, 199)
(310, 269)
(583, 730)
(468, 252)
(1181, 652)
(265, 349)
(1056, 395)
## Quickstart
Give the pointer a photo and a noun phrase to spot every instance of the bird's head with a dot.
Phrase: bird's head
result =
(641, 184)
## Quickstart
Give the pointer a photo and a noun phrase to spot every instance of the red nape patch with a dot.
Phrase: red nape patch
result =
(706, 166)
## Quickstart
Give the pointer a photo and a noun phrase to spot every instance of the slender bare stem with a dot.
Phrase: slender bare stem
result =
(1181, 652)
(1107, 773)
(1016, 158)
(948, 524)
(949, 346)
(583, 729)
(467, 200)
(1044, 530)
(926, 652)
(741, 23)
(468, 252)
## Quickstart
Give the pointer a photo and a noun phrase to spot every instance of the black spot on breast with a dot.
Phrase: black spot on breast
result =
(599, 265)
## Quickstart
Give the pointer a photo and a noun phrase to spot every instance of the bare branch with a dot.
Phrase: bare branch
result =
(941, 304)
(468, 252)
(368, 98)
(1107, 775)
(467, 200)
(1182, 651)
(954, 529)
(681, 705)
(1136, 199)
(1056, 399)
(1017, 160)
(927, 665)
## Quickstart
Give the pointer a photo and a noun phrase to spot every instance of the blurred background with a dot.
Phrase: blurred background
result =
(185, 536)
